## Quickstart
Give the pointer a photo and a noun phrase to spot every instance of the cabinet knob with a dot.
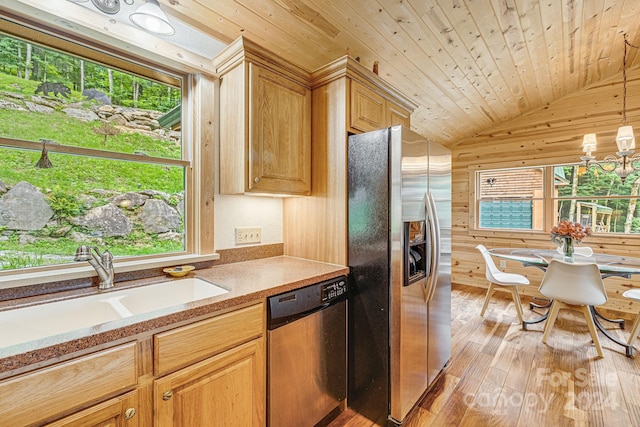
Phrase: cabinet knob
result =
(167, 395)
(129, 413)
(256, 179)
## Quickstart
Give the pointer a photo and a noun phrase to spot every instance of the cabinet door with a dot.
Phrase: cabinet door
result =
(367, 110)
(46, 393)
(226, 390)
(398, 116)
(119, 412)
(279, 134)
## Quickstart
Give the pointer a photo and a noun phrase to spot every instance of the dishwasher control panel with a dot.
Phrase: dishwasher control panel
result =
(331, 291)
(290, 306)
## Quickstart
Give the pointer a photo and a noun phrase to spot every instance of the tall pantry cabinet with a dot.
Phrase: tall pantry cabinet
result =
(346, 98)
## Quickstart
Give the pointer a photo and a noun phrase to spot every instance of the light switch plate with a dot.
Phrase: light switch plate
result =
(246, 235)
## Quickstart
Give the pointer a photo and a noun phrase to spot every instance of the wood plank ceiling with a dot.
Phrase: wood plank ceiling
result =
(469, 64)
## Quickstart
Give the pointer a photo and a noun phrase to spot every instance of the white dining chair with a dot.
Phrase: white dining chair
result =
(573, 285)
(578, 250)
(633, 294)
(499, 278)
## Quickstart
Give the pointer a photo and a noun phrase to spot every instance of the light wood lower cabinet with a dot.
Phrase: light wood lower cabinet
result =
(47, 393)
(122, 411)
(226, 390)
(207, 373)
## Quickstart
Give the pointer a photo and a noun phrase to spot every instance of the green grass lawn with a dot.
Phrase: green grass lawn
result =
(73, 179)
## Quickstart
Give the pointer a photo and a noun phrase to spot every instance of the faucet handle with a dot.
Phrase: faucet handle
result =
(83, 253)
(107, 259)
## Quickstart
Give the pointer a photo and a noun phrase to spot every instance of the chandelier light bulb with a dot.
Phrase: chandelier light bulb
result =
(625, 140)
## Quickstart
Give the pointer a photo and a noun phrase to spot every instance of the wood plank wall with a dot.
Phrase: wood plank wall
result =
(550, 135)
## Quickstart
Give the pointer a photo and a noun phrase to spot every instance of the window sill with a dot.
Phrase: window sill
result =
(82, 270)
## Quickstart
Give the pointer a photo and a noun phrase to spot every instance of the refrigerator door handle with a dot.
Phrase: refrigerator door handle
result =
(434, 237)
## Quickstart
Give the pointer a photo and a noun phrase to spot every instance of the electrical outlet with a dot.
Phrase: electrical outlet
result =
(503, 263)
(245, 235)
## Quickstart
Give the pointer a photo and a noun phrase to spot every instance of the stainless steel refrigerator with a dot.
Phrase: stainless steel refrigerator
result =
(399, 333)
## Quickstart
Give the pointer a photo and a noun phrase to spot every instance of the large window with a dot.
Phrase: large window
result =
(511, 198)
(537, 198)
(91, 153)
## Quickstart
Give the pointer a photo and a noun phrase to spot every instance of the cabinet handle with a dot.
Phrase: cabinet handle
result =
(256, 179)
(167, 395)
(129, 413)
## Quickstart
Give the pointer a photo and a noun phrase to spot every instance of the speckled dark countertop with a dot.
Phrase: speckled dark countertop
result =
(246, 281)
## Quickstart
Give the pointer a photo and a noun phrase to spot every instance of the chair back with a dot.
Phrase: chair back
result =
(491, 270)
(573, 283)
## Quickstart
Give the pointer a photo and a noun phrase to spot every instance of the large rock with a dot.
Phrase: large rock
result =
(107, 221)
(158, 217)
(80, 114)
(24, 207)
(129, 200)
(7, 105)
(37, 108)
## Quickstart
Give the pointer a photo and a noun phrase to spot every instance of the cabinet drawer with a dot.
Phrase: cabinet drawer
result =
(182, 346)
(42, 394)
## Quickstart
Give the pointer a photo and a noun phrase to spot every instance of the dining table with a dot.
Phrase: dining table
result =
(609, 266)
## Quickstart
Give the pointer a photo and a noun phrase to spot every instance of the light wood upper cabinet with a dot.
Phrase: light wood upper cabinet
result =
(367, 108)
(398, 116)
(265, 123)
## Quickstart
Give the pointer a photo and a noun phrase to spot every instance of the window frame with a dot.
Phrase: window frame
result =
(549, 200)
(532, 199)
(197, 154)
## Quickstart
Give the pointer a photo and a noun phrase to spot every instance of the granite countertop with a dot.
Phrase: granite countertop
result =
(246, 282)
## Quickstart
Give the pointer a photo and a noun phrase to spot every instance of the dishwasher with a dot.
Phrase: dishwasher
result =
(307, 354)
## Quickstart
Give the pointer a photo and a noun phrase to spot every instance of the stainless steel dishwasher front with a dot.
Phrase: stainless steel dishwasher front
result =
(307, 356)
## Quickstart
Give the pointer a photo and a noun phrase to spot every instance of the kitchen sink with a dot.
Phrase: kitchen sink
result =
(40, 321)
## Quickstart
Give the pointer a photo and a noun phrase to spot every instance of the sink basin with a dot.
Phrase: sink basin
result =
(41, 321)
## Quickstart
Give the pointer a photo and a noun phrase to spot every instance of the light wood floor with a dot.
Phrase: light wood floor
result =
(501, 375)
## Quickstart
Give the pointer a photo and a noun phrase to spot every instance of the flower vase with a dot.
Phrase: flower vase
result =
(568, 249)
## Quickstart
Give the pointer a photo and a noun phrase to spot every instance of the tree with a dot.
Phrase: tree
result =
(574, 192)
(632, 205)
(81, 76)
(27, 63)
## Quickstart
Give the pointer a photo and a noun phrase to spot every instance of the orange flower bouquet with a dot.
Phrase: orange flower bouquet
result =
(566, 233)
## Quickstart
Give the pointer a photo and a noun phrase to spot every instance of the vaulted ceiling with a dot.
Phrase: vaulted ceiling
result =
(468, 64)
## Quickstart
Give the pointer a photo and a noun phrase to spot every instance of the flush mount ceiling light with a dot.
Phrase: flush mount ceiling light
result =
(110, 7)
(627, 162)
(151, 18)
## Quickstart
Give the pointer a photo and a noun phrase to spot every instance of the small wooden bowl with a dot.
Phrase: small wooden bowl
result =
(179, 271)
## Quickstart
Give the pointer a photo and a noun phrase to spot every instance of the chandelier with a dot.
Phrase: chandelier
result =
(626, 162)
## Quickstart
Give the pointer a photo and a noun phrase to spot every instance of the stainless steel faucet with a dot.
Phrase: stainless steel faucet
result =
(102, 262)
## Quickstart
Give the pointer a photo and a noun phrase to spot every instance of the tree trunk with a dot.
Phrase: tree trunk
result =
(110, 73)
(81, 75)
(27, 63)
(135, 92)
(574, 193)
(632, 205)
(19, 65)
